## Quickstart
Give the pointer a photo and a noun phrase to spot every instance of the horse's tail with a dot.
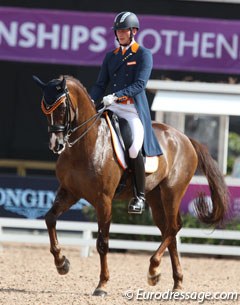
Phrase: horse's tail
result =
(207, 213)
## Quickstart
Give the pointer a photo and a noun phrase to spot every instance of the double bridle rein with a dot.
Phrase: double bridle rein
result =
(67, 128)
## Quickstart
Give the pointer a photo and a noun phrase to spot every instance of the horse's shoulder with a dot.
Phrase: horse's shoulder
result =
(103, 128)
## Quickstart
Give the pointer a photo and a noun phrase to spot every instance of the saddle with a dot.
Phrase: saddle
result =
(123, 132)
(122, 139)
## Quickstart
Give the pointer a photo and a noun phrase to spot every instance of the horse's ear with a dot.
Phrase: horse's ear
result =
(63, 83)
(41, 84)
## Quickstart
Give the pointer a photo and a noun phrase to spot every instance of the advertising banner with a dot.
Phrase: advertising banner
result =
(194, 189)
(83, 38)
(32, 197)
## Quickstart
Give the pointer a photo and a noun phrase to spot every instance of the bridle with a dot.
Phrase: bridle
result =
(67, 129)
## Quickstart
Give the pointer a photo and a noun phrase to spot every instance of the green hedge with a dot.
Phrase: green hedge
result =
(233, 150)
(120, 215)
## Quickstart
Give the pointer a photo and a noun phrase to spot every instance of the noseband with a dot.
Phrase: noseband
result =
(67, 129)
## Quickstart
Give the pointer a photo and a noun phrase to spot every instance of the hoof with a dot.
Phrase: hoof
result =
(99, 292)
(64, 267)
(153, 279)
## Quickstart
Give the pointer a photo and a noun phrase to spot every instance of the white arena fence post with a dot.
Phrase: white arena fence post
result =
(87, 236)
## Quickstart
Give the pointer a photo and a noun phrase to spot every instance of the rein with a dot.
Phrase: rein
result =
(67, 127)
(95, 117)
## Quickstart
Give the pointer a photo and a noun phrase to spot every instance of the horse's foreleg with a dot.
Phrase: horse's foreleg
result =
(104, 219)
(62, 203)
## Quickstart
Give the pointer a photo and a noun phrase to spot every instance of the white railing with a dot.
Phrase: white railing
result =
(81, 234)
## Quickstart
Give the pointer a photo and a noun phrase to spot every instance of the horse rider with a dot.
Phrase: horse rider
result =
(126, 71)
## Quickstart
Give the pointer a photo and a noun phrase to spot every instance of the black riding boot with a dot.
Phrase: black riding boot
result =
(137, 204)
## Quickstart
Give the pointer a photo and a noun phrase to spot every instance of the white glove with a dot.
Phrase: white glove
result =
(109, 99)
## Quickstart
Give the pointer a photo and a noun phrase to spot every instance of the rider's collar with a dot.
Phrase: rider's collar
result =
(134, 47)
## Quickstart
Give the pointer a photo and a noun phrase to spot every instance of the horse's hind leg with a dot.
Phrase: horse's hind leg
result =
(176, 266)
(62, 203)
(154, 200)
(170, 204)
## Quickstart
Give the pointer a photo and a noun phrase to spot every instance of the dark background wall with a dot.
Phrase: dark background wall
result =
(23, 132)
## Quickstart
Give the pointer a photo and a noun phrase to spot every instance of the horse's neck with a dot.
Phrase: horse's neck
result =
(85, 111)
(88, 118)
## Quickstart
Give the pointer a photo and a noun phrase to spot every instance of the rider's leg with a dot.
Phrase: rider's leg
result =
(137, 204)
(129, 112)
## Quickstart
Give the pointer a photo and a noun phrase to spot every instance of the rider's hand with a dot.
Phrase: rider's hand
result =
(109, 99)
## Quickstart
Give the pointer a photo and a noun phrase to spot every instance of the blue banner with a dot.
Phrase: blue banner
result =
(32, 197)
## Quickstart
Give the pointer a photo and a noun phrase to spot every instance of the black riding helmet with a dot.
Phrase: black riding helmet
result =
(124, 21)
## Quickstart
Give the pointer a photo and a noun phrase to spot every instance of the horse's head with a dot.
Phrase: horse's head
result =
(56, 105)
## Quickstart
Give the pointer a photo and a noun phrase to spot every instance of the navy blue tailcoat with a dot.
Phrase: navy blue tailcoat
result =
(127, 75)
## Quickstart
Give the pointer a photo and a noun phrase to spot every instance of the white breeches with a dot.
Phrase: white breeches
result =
(129, 112)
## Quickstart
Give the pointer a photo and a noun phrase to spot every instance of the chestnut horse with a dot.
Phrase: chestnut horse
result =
(87, 168)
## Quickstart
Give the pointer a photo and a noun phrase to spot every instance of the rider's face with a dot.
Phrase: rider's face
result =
(124, 36)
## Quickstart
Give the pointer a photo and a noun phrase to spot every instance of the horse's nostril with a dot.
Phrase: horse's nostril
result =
(60, 147)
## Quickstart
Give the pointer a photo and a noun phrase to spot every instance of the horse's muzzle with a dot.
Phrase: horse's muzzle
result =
(59, 148)
(56, 144)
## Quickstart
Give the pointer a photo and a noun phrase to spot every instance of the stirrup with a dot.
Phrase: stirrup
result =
(136, 205)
